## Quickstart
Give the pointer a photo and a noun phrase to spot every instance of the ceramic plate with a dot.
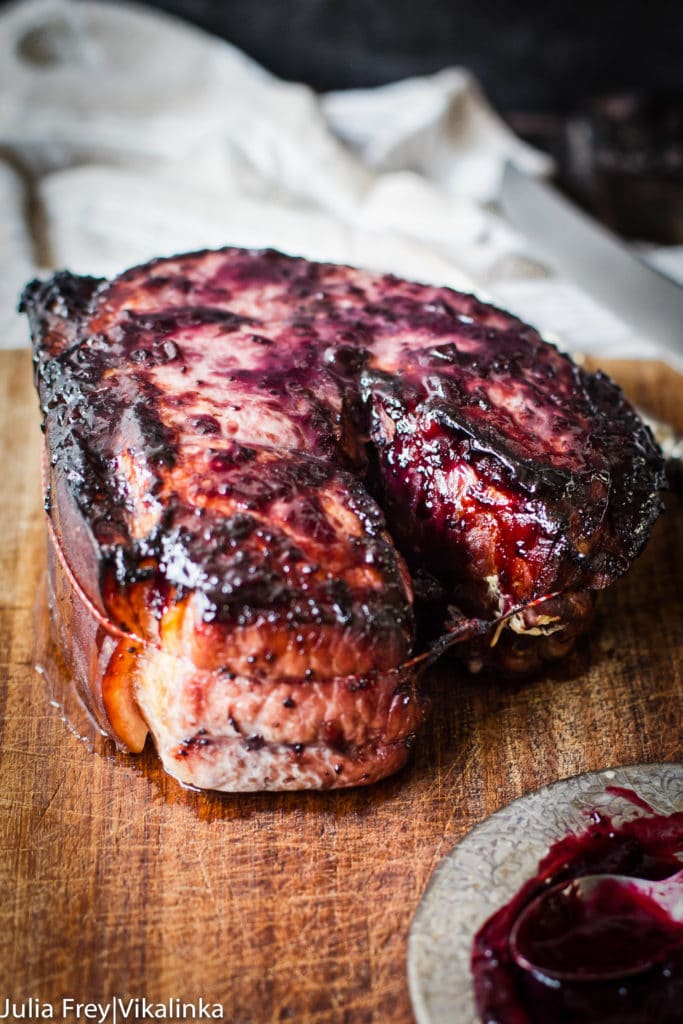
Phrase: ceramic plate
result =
(489, 865)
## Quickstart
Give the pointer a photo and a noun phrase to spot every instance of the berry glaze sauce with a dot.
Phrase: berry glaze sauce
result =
(648, 847)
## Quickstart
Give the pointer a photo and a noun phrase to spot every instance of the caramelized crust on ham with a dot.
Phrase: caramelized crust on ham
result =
(226, 433)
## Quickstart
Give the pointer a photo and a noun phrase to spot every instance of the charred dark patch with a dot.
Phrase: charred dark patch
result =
(254, 742)
(181, 318)
(63, 295)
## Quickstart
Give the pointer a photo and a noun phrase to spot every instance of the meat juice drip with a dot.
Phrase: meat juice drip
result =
(620, 930)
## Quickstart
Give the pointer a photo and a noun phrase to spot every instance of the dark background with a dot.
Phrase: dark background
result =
(530, 55)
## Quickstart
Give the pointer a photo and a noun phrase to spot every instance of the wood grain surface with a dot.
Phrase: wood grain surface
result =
(115, 881)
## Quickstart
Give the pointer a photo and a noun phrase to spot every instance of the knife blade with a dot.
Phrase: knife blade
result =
(595, 259)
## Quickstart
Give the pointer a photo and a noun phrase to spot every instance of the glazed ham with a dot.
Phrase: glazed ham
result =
(262, 472)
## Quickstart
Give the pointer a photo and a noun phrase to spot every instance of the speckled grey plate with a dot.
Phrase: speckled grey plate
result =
(490, 864)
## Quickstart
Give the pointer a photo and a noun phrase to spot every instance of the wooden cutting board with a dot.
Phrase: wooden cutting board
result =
(115, 881)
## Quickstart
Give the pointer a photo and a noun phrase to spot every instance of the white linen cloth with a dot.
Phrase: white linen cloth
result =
(126, 134)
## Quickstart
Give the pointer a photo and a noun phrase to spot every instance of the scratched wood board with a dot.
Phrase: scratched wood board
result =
(116, 881)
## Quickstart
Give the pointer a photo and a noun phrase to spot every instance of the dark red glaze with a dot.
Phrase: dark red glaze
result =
(511, 463)
(611, 931)
(616, 933)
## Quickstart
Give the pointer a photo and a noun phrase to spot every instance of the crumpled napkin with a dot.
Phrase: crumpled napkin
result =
(126, 133)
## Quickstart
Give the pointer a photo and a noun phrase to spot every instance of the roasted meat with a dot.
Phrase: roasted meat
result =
(251, 459)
